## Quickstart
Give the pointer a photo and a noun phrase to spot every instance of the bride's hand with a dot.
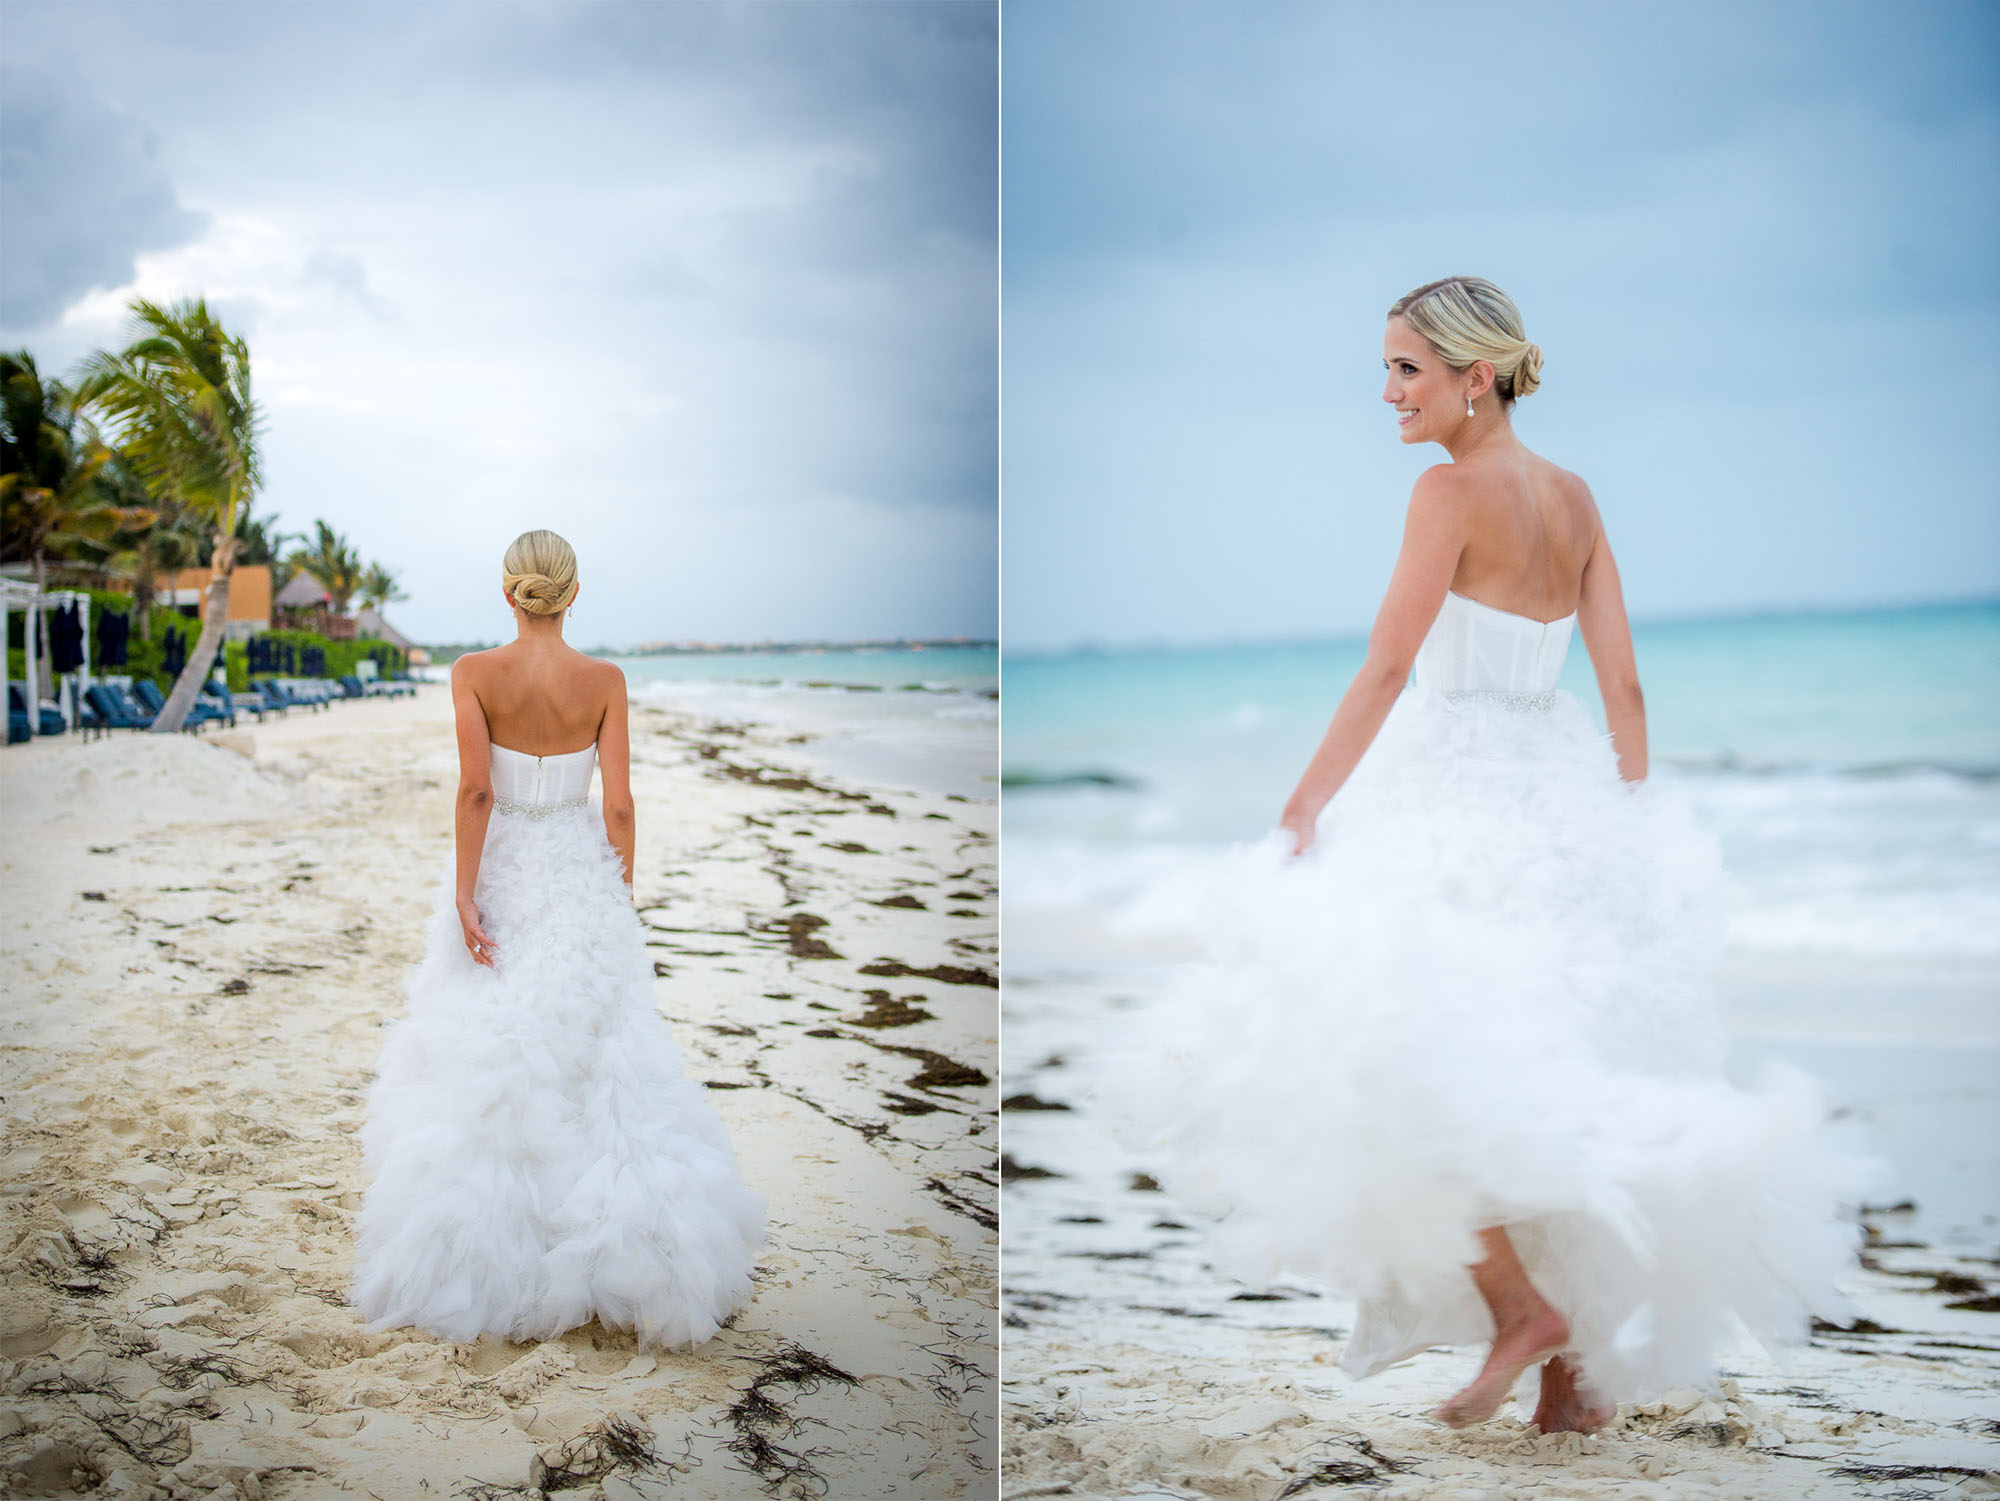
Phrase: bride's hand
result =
(1302, 827)
(476, 942)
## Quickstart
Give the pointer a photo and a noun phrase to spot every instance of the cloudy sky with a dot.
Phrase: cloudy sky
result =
(1755, 242)
(708, 288)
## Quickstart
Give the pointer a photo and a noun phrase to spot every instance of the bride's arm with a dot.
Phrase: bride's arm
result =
(614, 765)
(1607, 636)
(1433, 537)
(475, 804)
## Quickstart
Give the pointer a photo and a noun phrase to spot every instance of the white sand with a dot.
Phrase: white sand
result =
(200, 948)
(1131, 1368)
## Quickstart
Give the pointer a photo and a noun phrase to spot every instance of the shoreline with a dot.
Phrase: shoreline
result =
(196, 1014)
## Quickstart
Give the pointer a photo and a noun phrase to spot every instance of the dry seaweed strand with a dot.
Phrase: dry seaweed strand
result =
(756, 1417)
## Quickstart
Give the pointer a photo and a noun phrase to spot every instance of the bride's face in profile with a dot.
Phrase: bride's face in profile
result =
(1428, 395)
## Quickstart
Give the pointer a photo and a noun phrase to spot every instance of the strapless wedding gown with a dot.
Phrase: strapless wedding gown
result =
(1483, 998)
(537, 1156)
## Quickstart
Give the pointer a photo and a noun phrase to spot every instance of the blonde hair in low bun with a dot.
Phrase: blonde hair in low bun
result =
(1467, 318)
(539, 571)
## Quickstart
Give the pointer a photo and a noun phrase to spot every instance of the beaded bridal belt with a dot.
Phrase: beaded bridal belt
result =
(1524, 702)
(538, 810)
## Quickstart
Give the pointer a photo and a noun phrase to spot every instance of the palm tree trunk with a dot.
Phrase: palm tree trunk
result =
(142, 596)
(201, 659)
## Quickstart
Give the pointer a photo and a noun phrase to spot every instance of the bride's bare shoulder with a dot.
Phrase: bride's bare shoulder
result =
(472, 666)
(607, 679)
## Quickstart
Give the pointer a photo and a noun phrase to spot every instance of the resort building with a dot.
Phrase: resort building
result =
(249, 597)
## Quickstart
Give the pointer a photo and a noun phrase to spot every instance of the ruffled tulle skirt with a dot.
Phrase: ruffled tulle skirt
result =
(1483, 998)
(536, 1155)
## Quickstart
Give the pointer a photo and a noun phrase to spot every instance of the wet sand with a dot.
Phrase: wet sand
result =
(1133, 1369)
(201, 946)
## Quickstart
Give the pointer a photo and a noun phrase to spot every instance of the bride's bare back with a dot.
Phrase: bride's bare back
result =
(1529, 533)
(542, 698)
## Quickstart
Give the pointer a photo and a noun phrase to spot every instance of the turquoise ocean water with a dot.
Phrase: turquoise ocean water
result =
(913, 717)
(1849, 764)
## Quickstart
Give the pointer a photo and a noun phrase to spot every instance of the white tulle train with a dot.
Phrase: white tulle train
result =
(537, 1156)
(1482, 999)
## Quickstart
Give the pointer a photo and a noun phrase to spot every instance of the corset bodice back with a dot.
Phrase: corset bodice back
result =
(1478, 648)
(523, 781)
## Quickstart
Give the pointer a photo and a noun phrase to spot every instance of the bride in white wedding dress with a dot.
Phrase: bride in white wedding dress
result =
(537, 1156)
(1452, 1046)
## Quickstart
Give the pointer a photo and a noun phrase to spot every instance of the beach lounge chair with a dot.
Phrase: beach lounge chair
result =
(286, 695)
(152, 701)
(223, 703)
(48, 722)
(257, 697)
(231, 704)
(115, 707)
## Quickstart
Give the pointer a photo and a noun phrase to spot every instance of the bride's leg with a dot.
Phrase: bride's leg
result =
(1527, 1329)
(1565, 1407)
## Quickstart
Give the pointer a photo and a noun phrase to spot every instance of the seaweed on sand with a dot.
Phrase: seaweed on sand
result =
(180, 1372)
(1372, 1468)
(760, 1420)
(617, 1444)
(156, 1441)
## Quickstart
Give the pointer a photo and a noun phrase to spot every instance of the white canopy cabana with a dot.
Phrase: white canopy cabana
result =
(18, 595)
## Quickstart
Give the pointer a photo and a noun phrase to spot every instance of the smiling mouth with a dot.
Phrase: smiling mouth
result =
(1403, 418)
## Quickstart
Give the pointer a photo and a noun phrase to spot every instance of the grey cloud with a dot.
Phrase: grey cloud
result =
(82, 194)
(755, 242)
(1748, 238)
(347, 277)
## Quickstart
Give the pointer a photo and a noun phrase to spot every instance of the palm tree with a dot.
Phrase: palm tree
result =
(378, 586)
(264, 543)
(334, 562)
(172, 542)
(50, 460)
(179, 395)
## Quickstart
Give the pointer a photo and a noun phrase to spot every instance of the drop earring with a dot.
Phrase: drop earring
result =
(1468, 404)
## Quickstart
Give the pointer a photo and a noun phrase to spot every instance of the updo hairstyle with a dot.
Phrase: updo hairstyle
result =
(1467, 318)
(539, 571)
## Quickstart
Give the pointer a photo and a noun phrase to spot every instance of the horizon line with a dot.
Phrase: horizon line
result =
(1138, 646)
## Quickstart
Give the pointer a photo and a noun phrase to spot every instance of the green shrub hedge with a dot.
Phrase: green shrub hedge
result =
(146, 657)
(342, 657)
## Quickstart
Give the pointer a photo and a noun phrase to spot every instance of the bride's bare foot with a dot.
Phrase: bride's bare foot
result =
(1565, 1406)
(1534, 1335)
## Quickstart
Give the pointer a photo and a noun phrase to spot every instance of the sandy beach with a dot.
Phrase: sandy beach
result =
(1133, 1369)
(203, 938)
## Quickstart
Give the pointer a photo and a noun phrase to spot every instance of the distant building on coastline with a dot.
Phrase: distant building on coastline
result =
(794, 648)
